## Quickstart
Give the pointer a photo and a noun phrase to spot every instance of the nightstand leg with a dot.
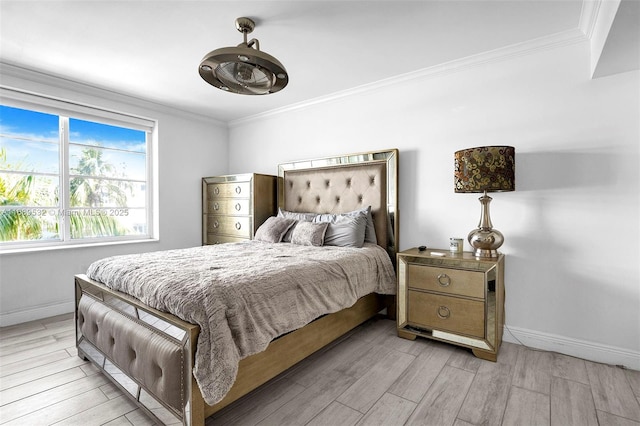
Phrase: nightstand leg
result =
(406, 335)
(489, 356)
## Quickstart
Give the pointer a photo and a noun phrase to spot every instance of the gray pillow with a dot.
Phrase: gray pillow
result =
(298, 216)
(370, 230)
(273, 229)
(309, 233)
(307, 217)
(346, 231)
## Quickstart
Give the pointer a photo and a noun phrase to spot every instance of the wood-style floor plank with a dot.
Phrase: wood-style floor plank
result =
(310, 402)
(526, 407)
(572, 404)
(42, 400)
(444, 398)
(369, 377)
(487, 396)
(414, 382)
(612, 392)
(388, 411)
(364, 393)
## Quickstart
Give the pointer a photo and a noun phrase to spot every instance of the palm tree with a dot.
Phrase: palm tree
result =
(89, 188)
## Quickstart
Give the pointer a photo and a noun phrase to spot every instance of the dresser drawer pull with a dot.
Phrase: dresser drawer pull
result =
(238, 189)
(443, 312)
(216, 206)
(444, 280)
(216, 224)
(238, 226)
(216, 190)
(238, 207)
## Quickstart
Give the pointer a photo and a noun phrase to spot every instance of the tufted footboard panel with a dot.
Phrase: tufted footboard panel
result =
(152, 360)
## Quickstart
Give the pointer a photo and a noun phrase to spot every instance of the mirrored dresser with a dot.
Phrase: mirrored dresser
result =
(452, 297)
(234, 206)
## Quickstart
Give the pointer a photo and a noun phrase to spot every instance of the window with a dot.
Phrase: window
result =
(71, 174)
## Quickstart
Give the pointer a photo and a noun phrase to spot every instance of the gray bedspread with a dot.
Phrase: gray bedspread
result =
(243, 295)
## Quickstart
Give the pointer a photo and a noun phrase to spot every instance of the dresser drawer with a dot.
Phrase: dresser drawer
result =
(442, 280)
(229, 206)
(221, 239)
(446, 313)
(228, 190)
(235, 226)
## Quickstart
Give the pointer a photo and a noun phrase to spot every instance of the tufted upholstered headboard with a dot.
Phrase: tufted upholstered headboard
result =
(345, 183)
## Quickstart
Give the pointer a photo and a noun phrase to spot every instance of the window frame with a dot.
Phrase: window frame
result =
(65, 110)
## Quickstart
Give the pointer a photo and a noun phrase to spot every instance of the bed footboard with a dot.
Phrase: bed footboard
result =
(146, 354)
(149, 354)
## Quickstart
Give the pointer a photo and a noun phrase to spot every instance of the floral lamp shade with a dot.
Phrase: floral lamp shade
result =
(486, 168)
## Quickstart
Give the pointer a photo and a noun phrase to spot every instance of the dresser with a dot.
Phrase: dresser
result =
(234, 206)
(451, 297)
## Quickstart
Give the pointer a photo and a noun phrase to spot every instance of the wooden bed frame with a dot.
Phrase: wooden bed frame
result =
(327, 185)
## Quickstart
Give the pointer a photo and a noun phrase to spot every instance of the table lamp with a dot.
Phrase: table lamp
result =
(485, 169)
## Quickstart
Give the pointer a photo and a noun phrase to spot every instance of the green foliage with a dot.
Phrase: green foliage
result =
(14, 225)
(87, 190)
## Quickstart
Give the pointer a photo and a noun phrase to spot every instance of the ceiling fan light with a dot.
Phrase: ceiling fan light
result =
(243, 69)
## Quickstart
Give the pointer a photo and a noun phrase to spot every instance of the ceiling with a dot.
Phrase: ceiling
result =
(151, 49)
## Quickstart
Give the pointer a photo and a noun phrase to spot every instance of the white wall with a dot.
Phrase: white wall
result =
(40, 284)
(571, 227)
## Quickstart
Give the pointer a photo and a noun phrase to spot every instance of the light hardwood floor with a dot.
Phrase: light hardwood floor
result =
(370, 377)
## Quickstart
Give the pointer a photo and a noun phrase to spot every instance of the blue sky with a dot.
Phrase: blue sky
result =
(32, 141)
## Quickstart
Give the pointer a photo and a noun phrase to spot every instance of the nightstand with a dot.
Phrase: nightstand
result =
(452, 297)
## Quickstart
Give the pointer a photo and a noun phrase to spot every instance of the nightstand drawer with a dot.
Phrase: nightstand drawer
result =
(446, 313)
(236, 226)
(442, 280)
(229, 206)
(230, 189)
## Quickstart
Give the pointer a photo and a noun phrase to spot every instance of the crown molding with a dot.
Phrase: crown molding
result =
(589, 16)
(9, 71)
(529, 47)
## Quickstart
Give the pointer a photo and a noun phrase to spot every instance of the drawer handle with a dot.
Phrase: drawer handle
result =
(216, 224)
(216, 190)
(238, 226)
(443, 312)
(238, 207)
(444, 280)
(216, 206)
(238, 189)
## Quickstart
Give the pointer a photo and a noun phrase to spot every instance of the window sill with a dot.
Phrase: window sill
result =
(65, 246)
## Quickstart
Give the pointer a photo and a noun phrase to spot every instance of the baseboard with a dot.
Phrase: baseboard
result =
(35, 313)
(579, 348)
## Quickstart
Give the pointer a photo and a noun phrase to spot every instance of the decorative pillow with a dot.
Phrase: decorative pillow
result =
(370, 230)
(273, 229)
(298, 216)
(346, 231)
(309, 233)
(307, 217)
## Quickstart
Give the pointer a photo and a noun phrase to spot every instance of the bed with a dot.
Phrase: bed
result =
(156, 357)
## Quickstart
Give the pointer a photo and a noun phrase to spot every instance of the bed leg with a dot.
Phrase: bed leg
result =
(81, 355)
(390, 303)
